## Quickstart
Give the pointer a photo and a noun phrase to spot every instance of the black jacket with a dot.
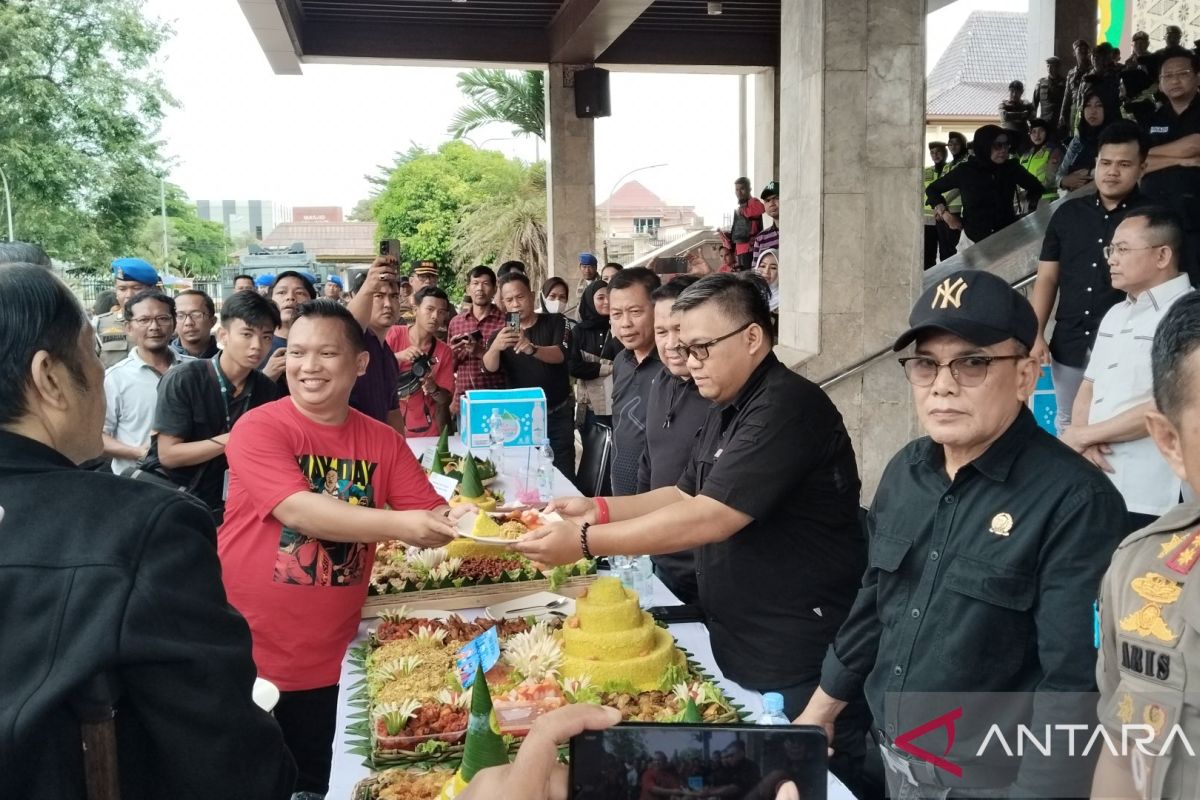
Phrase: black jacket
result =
(105, 574)
(988, 190)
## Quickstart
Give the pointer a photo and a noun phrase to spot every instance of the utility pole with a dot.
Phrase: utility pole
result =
(7, 203)
(162, 196)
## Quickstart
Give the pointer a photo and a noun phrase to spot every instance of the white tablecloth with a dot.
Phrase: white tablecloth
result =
(348, 767)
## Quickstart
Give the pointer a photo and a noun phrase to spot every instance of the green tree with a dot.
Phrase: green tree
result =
(506, 225)
(196, 248)
(428, 192)
(497, 95)
(80, 105)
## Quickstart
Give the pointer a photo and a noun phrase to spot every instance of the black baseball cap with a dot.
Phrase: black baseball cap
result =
(975, 305)
(770, 190)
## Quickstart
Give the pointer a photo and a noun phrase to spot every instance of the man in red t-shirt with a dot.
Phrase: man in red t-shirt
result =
(309, 479)
(424, 402)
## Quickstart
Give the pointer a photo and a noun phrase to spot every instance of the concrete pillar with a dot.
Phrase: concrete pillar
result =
(763, 163)
(570, 178)
(852, 89)
(1074, 19)
(1040, 38)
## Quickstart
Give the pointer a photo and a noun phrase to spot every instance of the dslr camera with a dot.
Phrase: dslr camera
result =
(419, 369)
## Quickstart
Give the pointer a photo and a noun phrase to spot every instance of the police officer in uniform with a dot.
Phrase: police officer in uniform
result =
(1149, 664)
(1048, 93)
(130, 276)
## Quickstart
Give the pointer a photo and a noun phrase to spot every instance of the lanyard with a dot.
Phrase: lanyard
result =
(227, 392)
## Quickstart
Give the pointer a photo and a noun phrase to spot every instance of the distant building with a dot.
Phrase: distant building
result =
(970, 80)
(329, 242)
(317, 214)
(241, 218)
(635, 221)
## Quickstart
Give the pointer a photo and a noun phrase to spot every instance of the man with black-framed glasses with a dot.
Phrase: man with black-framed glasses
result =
(768, 499)
(1108, 422)
(195, 315)
(988, 542)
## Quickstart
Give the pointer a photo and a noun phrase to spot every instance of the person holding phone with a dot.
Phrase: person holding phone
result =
(469, 331)
(532, 350)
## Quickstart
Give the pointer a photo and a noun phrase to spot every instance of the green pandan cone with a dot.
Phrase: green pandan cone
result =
(470, 487)
(485, 745)
(691, 713)
(443, 444)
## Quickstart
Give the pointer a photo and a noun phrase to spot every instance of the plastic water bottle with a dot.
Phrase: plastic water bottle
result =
(539, 423)
(772, 713)
(642, 571)
(545, 472)
(496, 440)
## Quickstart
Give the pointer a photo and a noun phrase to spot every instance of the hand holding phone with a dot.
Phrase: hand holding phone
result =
(514, 319)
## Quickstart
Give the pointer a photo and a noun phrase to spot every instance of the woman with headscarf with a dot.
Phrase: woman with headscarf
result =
(987, 183)
(589, 359)
(1077, 165)
(767, 267)
(554, 296)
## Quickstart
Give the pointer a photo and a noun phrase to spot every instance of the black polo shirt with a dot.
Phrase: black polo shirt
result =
(1076, 237)
(631, 388)
(192, 407)
(675, 414)
(776, 591)
(1177, 187)
(980, 584)
(526, 371)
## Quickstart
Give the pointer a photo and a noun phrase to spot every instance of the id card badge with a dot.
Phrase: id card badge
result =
(225, 486)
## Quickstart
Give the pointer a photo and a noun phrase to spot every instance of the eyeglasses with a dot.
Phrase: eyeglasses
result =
(1000, 144)
(699, 351)
(1123, 250)
(194, 316)
(1172, 76)
(145, 322)
(967, 371)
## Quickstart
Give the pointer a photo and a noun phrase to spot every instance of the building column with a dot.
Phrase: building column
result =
(763, 159)
(1074, 19)
(852, 88)
(570, 176)
(1040, 38)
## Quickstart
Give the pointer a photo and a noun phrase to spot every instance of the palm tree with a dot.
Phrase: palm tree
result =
(507, 226)
(497, 95)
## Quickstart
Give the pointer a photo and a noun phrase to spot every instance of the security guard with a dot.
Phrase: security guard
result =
(982, 572)
(1048, 93)
(1149, 614)
(130, 276)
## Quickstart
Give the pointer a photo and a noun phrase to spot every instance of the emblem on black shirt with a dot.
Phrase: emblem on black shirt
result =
(1002, 524)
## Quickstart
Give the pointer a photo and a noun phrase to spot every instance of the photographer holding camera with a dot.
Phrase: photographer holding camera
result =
(426, 365)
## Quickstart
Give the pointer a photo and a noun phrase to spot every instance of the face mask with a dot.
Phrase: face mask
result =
(552, 305)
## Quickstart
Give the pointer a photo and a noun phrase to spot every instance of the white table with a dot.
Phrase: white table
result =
(348, 767)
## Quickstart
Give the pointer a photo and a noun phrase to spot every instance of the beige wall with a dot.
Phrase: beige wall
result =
(571, 178)
(852, 89)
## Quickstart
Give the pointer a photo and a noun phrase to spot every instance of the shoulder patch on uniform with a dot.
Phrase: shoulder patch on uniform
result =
(1186, 553)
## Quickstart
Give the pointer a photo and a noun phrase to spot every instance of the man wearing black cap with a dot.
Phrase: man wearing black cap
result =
(982, 572)
(1048, 93)
(424, 273)
(769, 238)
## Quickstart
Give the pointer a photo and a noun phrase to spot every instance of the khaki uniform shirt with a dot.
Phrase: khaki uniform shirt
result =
(1149, 663)
(112, 341)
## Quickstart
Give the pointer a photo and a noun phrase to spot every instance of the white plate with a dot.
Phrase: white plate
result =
(502, 610)
(467, 522)
(265, 694)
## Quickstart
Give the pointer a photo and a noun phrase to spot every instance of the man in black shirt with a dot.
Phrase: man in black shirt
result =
(199, 401)
(1173, 166)
(675, 413)
(769, 499)
(288, 291)
(533, 353)
(737, 776)
(195, 316)
(988, 541)
(1072, 266)
(631, 316)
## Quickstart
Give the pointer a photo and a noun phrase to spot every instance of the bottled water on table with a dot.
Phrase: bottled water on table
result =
(772, 713)
(496, 440)
(545, 472)
(636, 573)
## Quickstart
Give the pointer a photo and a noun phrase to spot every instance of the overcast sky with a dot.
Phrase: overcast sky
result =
(242, 132)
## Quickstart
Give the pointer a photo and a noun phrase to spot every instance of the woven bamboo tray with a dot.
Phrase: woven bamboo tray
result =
(453, 598)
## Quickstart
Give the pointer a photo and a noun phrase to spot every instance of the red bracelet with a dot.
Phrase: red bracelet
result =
(601, 510)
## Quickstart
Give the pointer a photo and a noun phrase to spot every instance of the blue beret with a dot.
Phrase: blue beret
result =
(134, 269)
(310, 277)
(336, 281)
(264, 280)
(589, 259)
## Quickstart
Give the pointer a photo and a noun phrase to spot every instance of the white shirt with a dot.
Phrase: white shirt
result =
(1119, 370)
(130, 397)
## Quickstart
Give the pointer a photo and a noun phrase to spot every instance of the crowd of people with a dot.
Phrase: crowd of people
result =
(1049, 146)
(259, 455)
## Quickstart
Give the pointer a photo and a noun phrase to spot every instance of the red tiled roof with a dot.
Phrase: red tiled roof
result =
(327, 238)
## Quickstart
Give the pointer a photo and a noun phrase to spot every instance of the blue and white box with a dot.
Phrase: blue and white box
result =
(522, 414)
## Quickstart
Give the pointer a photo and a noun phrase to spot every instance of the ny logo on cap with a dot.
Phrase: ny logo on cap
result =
(949, 294)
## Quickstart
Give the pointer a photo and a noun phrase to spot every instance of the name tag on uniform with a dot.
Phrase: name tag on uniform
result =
(718, 453)
(1159, 129)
